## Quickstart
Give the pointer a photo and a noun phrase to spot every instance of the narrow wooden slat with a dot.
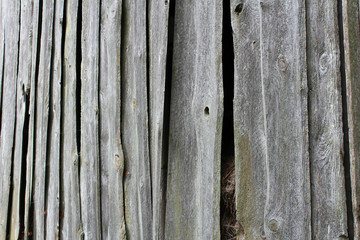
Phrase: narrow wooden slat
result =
(352, 69)
(158, 12)
(111, 154)
(24, 76)
(270, 120)
(53, 189)
(42, 119)
(8, 116)
(2, 44)
(137, 181)
(329, 220)
(89, 155)
(196, 113)
(71, 227)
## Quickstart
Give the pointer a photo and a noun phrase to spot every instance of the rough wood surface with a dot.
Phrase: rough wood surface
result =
(328, 198)
(89, 153)
(193, 184)
(158, 13)
(270, 120)
(352, 68)
(2, 47)
(111, 153)
(8, 114)
(71, 227)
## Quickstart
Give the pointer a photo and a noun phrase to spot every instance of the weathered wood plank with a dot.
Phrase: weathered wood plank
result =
(24, 76)
(71, 227)
(328, 198)
(137, 181)
(42, 119)
(8, 116)
(158, 12)
(53, 189)
(352, 69)
(270, 120)
(2, 45)
(111, 153)
(196, 113)
(89, 153)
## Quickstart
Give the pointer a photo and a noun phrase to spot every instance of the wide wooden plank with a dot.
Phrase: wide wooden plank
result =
(137, 180)
(352, 69)
(328, 198)
(270, 120)
(53, 189)
(24, 76)
(196, 113)
(71, 227)
(8, 114)
(111, 153)
(158, 12)
(89, 153)
(42, 119)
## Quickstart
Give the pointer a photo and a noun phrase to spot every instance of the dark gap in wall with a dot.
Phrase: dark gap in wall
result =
(346, 156)
(167, 98)
(228, 222)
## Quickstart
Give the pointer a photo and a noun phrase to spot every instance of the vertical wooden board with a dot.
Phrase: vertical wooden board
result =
(89, 155)
(328, 198)
(111, 154)
(158, 13)
(352, 63)
(42, 119)
(71, 226)
(196, 112)
(137, 180)
(24, 76)
(271, 148)
(53, 188)
(2, 47)
(8, 116)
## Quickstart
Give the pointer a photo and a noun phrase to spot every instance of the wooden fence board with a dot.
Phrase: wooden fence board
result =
(196, 112)
(271, 148)
(137, 180)
(352, 68)
(158, 12)
(2, 47)
(328, 198)
(111, 153)
(8, 115)
(71, 226)
(89, 155)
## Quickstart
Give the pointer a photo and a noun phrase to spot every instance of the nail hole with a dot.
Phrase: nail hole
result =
(206, 111)
(166, 2)
(239, 8)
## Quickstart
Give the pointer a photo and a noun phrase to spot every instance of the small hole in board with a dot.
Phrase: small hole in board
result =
(239, 8)
(206, 111)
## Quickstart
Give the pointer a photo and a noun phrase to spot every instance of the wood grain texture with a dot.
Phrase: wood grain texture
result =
(71, 226)
(111, 153)
(8, 114)
(328, 198)
(352, 69)
(196, 112)
(2, 47)
(270, 120)
(158, 14)
(42, 119)
(89, 155)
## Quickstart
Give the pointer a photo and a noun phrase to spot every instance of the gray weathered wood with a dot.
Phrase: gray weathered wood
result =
(24, 76)
(2, 44)
(89, 154)
(42, 119)
(53, 189)
(196, 112)
(352, 68)
(137, 180)
(270, 120)
(111, 153)
(158, 12)
(8, 115)
(71, 227)
(328, 198)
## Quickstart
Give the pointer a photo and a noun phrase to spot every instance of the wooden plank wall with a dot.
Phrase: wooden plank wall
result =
(111, 118)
